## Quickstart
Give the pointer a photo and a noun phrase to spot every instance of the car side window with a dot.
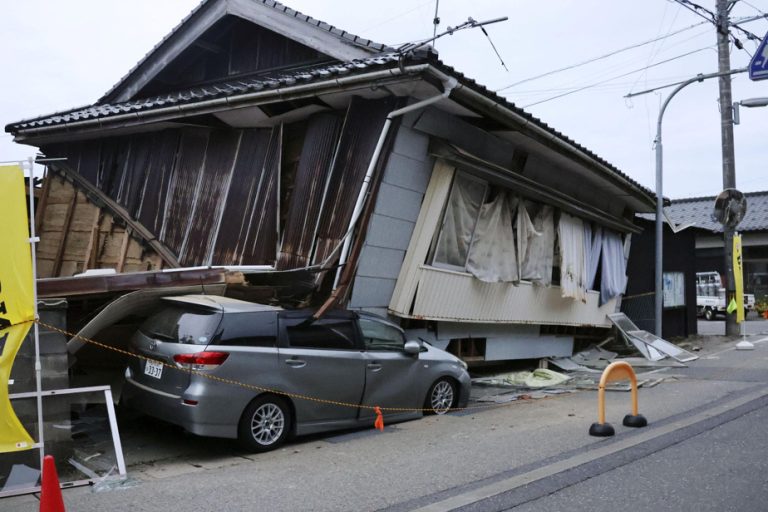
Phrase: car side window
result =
(249, 329)
(380, 336)
(326, 333)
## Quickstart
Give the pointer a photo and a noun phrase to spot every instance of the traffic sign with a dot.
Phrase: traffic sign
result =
(758, 66)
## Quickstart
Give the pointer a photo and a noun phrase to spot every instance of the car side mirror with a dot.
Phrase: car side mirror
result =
(412, 347)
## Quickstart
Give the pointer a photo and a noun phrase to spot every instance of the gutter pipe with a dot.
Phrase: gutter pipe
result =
(449, 84)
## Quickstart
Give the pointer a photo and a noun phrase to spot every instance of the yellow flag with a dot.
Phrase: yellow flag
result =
(17, 309)
(738, 278)
(13, 437)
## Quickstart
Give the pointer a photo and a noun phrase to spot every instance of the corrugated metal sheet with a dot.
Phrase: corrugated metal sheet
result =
(362, 127)
(155, 190)
(210, 196)
(248, 231)
(306, 199)
(185, 177)
(455, 296)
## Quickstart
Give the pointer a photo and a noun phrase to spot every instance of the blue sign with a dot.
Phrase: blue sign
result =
(758, 67)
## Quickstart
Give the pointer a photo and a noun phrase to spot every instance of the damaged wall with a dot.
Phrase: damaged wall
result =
(212, 196)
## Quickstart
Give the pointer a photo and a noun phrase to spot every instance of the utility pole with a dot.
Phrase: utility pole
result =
(726, 135)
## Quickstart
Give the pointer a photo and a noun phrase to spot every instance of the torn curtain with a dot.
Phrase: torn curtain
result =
(570, 231)
(492, 253)
(614, 273)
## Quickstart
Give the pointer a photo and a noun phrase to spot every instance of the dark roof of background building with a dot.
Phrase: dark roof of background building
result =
(698, 211)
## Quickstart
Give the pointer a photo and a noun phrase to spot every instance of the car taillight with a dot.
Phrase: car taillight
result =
(201, 360)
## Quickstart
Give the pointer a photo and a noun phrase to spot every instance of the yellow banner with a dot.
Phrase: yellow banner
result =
(13, 437)
(17, 309)
(738, 278)
(16, 296)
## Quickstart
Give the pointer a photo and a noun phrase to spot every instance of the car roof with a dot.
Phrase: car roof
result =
(221, 303)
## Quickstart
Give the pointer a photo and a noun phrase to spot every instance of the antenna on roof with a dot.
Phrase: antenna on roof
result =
(435, 20)
(470, 23)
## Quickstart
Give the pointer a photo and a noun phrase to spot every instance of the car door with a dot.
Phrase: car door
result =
(322, 360)
(390, 373)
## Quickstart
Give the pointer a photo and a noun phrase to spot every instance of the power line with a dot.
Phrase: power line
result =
(595, 59)
(616, 77)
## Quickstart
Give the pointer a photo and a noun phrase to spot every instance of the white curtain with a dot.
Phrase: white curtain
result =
(614, 275)
(538, 251)
(593, 241)
(570, 232)
(459, 221)
(492, 254)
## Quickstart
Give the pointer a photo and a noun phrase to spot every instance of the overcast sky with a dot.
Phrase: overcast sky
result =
(57, 55)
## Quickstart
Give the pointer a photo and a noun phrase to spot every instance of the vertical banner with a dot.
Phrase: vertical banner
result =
(738, 277)
(17, 308)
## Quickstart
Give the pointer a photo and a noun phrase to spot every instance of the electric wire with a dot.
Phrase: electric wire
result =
(616, 77)
(595, 59)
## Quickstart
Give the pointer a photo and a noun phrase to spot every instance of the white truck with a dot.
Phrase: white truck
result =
(710, 296)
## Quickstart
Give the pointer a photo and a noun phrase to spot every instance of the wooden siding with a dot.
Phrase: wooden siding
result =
(76, 234)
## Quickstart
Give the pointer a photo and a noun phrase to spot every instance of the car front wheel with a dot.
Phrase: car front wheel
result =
(709, 314)
(441, 396)
(265, 424)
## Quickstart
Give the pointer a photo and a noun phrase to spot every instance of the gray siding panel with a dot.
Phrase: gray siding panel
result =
(404, 183)
(389, 233)
(399, 203)
(372, 292)
(379, 262)
(405, 172)
(411, 143)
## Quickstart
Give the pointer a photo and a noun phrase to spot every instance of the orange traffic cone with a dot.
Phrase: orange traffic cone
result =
(50, 494)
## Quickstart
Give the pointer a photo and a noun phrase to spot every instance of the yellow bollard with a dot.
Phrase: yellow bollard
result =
(619, 370)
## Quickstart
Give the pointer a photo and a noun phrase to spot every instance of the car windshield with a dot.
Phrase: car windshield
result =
(178, 324)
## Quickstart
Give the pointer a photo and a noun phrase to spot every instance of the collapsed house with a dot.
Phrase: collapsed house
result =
(263, 154)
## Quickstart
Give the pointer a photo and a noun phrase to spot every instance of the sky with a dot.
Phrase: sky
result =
(58, 55)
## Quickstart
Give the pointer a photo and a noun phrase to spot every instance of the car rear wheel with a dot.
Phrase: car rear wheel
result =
(441, 396)
(265, 424)
(709, 314)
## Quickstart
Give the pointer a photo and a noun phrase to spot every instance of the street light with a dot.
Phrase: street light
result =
(749, 103)
(659, 293)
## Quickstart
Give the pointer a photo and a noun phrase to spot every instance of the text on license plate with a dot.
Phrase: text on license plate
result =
(153, 369)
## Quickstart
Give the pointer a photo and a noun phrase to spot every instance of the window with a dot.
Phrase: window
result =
(459, 221)
(181, 324)
(249, 329)
(331, 333)
(380, 336)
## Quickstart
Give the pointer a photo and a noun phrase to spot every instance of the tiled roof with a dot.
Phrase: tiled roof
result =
(698, 210)
(228, 88)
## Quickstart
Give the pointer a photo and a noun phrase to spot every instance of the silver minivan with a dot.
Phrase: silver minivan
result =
(222, 367)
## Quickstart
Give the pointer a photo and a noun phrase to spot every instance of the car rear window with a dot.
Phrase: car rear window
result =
(179, 324)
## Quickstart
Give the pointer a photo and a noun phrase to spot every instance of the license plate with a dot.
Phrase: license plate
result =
(153, 369)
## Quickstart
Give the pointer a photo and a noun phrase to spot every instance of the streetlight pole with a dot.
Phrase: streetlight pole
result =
(729, 166)
(659, 292)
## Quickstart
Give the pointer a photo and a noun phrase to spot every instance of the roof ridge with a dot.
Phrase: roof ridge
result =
(712, 198)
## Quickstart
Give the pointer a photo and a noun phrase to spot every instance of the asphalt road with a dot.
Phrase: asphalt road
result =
(753, 325)
(704, 447)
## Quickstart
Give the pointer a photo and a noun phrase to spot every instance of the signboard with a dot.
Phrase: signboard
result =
(758, 66)
(674, 289)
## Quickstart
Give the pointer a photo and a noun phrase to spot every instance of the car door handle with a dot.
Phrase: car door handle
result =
(296, 363)
(374, 367)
